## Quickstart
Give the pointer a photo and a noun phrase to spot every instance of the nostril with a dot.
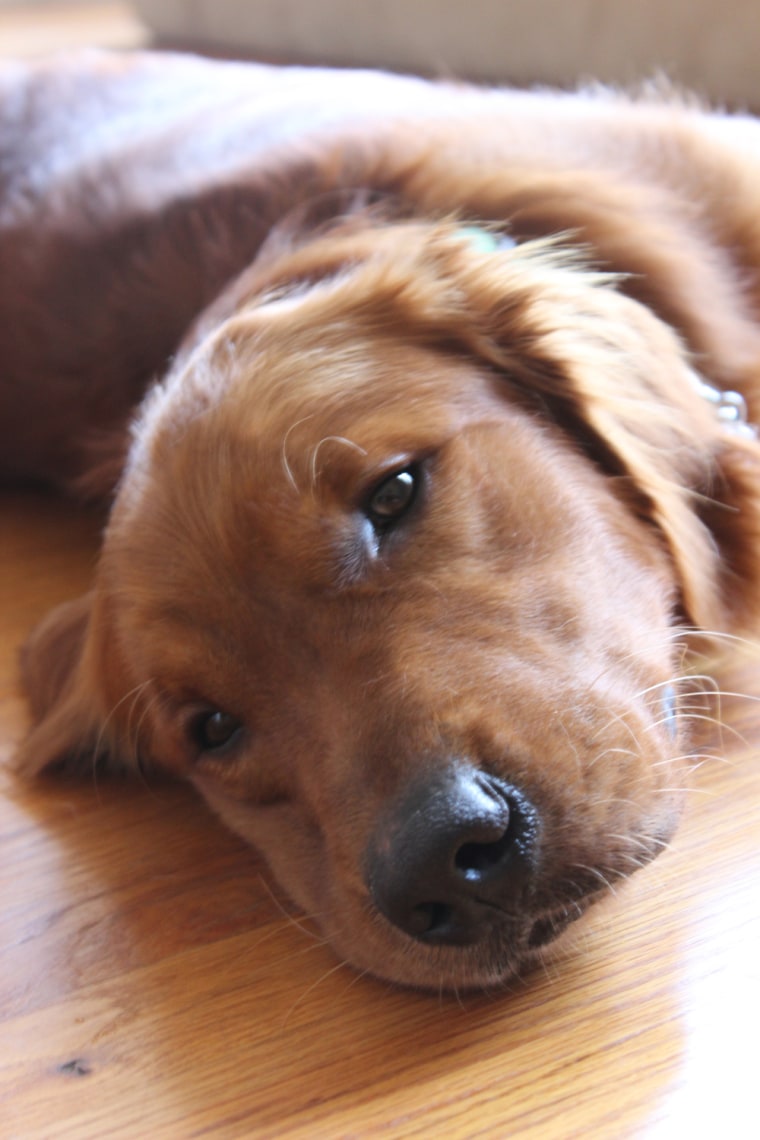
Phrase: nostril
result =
(476, 860)
(428, 919)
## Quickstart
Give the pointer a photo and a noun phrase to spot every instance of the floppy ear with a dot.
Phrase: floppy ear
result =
(634, 402)
(63, 684)
(699, 483)
(618, 381)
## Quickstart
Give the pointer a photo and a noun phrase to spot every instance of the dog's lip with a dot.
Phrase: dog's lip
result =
(549, 925)
(524, 934)
(514, 947)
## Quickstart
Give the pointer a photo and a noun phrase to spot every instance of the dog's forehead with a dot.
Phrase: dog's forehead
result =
(284, 404)
(256, 451)
(388, 342)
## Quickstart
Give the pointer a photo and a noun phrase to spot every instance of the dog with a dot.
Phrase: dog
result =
(425, 413)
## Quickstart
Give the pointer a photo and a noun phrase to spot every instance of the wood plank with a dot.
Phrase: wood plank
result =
(153, 982)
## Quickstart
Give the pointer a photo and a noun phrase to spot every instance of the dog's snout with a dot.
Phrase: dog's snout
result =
(454, 857)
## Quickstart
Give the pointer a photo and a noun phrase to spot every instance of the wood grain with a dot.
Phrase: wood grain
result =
(152, 982)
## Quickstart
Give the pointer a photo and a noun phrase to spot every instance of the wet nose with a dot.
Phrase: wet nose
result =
(455, 855)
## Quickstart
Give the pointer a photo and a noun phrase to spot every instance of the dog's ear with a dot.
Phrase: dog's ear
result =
(63, 680)
(627, 394)
(618, 381)
(730, 511)
(695, 479)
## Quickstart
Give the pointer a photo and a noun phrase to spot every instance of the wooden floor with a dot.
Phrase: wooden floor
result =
(153, 983)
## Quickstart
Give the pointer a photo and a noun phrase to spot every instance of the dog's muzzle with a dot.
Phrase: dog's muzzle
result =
(455, 858)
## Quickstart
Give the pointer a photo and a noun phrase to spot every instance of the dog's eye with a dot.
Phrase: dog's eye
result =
(215, 731)
(392, 498)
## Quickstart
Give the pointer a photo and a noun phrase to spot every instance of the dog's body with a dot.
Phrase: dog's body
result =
(398, 562)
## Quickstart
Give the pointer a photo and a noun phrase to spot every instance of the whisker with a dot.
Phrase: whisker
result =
(618, 718)
(720, 724)
(291, 918)
(284, 451)
(735, 640)
(135, 694)
(597, 874)
(342, 965)
(643, 841)
(158, 698)
(330, 439)
(690, 758)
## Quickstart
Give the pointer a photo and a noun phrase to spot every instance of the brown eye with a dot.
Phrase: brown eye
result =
(392, 498)
(214, 730)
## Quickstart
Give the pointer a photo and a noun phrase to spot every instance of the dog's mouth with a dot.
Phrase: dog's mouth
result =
(550, 925)
(523, 934)
(547, 928)
(514, 946)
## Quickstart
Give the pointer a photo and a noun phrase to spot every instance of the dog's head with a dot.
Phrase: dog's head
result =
(393, 577)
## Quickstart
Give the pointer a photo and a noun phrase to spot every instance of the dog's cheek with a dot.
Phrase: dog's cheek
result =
(238, 780)
(283, 832)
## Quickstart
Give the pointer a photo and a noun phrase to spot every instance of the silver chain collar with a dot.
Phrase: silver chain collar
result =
(729, 408)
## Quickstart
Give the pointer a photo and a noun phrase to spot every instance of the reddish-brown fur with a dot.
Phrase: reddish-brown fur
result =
(289, 250)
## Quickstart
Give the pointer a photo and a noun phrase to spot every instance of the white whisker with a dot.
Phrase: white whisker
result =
(291, 919)
(330, 439)
(284, 451)
(135, 694)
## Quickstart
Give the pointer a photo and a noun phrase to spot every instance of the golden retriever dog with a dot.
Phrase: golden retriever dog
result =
(426, 414)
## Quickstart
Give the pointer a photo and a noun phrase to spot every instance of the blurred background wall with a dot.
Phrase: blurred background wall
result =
(709, 45)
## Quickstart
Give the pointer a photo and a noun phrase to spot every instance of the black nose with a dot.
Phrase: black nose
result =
(455, 857)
